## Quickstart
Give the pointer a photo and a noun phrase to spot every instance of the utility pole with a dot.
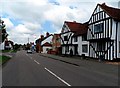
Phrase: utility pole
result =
(28, 40)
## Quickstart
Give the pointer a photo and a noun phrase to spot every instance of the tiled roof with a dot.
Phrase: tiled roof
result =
(47, 44)
(56, 35)
(40, 40)
(77, 28)
(112, 12)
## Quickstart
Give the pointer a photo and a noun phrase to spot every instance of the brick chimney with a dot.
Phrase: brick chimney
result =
(47, 34)
(42, 36)
(74, 21)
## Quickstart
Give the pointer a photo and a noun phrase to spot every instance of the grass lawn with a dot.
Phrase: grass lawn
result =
(4, 59)
(5, 51)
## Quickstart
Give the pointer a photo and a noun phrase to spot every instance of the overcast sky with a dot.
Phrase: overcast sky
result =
(30, 18)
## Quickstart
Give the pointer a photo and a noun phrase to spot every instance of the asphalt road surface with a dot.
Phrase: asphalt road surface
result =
(35, 70)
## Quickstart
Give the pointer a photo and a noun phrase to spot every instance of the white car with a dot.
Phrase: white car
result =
(29, 51)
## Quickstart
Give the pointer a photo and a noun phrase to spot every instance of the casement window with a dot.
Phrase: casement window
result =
(67, 48)
(98, 28)
(101, 15)
(75, 39)
(65, 38)
(100, 46)
(85, 48)
(84, 38)
(47, 49)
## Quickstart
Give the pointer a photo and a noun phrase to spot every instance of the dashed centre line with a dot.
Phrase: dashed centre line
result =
(57, 77)
(52, 73)
(36, 62)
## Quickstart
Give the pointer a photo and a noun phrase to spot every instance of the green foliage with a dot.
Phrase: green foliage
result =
(16, 46)
(4, 59)
(3, 32)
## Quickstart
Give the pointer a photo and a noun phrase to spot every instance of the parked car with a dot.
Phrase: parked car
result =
(29, 51)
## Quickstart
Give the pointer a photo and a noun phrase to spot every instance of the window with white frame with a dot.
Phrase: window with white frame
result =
(84, 37)
(67, 48)
(98, 28)
(85, 48)
(101, 46)
(75, 39)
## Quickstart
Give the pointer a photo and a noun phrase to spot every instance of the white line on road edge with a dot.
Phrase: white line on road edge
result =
(57, 77)
(36, 62)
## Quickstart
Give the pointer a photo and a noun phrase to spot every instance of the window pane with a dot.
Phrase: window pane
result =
(65, 38)
(98, 28)
(75, 39)
(85, 48)
(84, 38)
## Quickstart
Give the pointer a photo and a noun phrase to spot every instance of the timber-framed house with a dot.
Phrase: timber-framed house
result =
(104, 33)
(74, 38)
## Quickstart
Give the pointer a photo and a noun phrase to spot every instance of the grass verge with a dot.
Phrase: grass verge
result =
(4, 59)
(5, 51)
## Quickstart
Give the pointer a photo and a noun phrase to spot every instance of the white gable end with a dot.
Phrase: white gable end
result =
(49, 40)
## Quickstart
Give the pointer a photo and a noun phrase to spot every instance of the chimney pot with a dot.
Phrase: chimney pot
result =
(103, 4)
(47, 34)
(42, 36)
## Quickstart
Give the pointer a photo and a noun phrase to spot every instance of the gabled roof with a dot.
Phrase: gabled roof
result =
(47, 44)
(40, 40)
(112, 12)
(57, 35)
(77, 28)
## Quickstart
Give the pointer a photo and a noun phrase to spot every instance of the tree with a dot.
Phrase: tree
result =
(3, 33)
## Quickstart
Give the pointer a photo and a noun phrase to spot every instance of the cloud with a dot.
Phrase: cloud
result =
(32, 14)
(8, 23)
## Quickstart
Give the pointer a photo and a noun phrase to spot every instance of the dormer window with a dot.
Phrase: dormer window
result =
(98, 28)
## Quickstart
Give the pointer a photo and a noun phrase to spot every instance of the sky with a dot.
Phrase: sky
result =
(31, 18)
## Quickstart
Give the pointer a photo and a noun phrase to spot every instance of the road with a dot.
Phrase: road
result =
(35, 70)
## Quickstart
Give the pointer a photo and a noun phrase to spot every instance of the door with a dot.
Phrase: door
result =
(76, 50)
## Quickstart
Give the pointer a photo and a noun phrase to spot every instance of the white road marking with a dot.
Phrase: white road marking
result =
(57, 77)
(36, 62)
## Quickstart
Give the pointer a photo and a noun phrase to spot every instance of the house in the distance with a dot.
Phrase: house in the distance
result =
(38, 44)
(46, 43)
(104, 33)
(46, 47)
(74, 38)
(42, 42)
(8, 45)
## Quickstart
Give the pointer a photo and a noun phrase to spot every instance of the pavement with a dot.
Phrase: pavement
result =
(88, 63)
(9, 54)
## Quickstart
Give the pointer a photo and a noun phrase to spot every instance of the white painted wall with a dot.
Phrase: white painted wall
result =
(49, 40)
(113, 30)
(45, 49)
(80, 43)
(118, 40)
(2, 46)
